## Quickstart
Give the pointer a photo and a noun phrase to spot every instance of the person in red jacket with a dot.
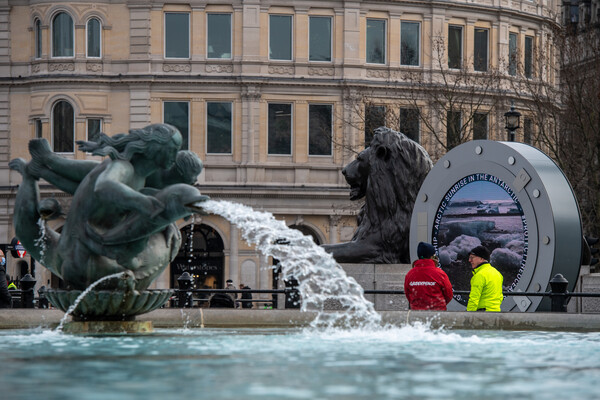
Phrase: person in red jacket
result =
(426, 286)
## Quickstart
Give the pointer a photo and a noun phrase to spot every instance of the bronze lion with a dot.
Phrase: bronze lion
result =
(389, 175)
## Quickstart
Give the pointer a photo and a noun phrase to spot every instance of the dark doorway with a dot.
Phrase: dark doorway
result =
(292, 299)
(201, 255)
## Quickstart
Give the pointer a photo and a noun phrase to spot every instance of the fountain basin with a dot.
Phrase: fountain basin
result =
(109, 305)
(410, 362)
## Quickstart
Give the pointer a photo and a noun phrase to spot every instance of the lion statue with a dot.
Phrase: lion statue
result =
(389, 175)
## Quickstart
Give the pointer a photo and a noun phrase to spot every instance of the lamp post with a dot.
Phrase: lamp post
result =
(512, 120)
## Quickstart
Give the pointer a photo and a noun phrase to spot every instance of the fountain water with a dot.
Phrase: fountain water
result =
(320, 277)
(411, 362)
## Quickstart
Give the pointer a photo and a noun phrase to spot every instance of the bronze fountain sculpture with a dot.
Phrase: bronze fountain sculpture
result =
(120, 222)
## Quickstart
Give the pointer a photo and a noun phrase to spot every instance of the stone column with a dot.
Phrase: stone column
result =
(264, 283)
(233, 255)
(139, 106)
(250, 134)
(334, 221)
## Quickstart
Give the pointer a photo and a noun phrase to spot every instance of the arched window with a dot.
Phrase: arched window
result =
(93, 38)
(38, 38)
(63, 127)
(62, 35)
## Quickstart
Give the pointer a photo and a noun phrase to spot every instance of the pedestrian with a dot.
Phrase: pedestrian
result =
(486, 283)
(246, 296)
(427, 286)
(5, 297)
(230, 286)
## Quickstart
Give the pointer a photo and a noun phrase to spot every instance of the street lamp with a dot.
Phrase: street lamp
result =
(513, 121)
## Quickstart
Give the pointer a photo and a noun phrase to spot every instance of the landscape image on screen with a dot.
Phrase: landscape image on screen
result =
(480, 209)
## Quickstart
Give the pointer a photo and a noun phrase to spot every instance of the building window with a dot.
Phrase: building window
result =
(62, 35)
(512, 54)
(374, 118)
(63, 127)
(455, 44)
(93, 38)
(528, 56)
(376, 41)
(176, 113)
(94, 127)
(480, 126)
(453, 129)
(409, 43)
(320, 119)
(38, 38)
(177, 35)
(280, 129)
(280, 37)
(38, 128)
(218, 128)
(480, 52)
(218, 36)
(527, 130)
(409, 123)
(320, 39)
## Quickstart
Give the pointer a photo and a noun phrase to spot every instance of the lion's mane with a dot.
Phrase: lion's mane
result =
(389, 174)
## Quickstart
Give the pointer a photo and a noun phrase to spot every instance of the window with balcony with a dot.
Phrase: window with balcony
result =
(319, 39)
(455, 46)
(63, 127)
(93, 38)
(320, 120)
(280, 37)
(376, 41)
(513, 56)
(480, 126)
(480, 51)
(177, 35)
(62, 35)
(528, 63)
(410, 47)
(409, 123)
(218, 36)
(280, 129)
(218, 127)
(94, 127)
(453, 129)
(374, 118)
(38, 38)
(177, 113)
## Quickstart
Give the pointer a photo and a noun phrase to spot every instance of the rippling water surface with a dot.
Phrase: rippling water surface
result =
(412, 362)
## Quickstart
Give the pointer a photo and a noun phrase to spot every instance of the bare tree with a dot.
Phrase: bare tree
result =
(449, 106)
(566, 119)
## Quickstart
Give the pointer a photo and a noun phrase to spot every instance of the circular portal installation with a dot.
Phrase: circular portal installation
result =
(511, 198)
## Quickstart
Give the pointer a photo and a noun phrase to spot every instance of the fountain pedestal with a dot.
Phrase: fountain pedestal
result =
(108, 311)
(108, 327)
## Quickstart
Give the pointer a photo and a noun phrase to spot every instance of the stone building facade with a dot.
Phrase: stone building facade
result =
(261, 90)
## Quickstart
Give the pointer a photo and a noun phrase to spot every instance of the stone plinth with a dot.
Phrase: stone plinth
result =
(591, 284)
(380, 277)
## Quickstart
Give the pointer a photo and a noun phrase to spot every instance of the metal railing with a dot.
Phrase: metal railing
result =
(184, 298)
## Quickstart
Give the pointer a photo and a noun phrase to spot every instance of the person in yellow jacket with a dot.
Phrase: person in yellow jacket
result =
(486, 283)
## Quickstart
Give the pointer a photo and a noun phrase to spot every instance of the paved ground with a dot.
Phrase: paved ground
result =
(198, 317)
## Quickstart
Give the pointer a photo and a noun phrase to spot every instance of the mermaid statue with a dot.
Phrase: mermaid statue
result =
(122, 216)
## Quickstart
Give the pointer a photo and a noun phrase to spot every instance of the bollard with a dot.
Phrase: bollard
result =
(558, 286)
(184, 295)
(27, 283)
(42, 299)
